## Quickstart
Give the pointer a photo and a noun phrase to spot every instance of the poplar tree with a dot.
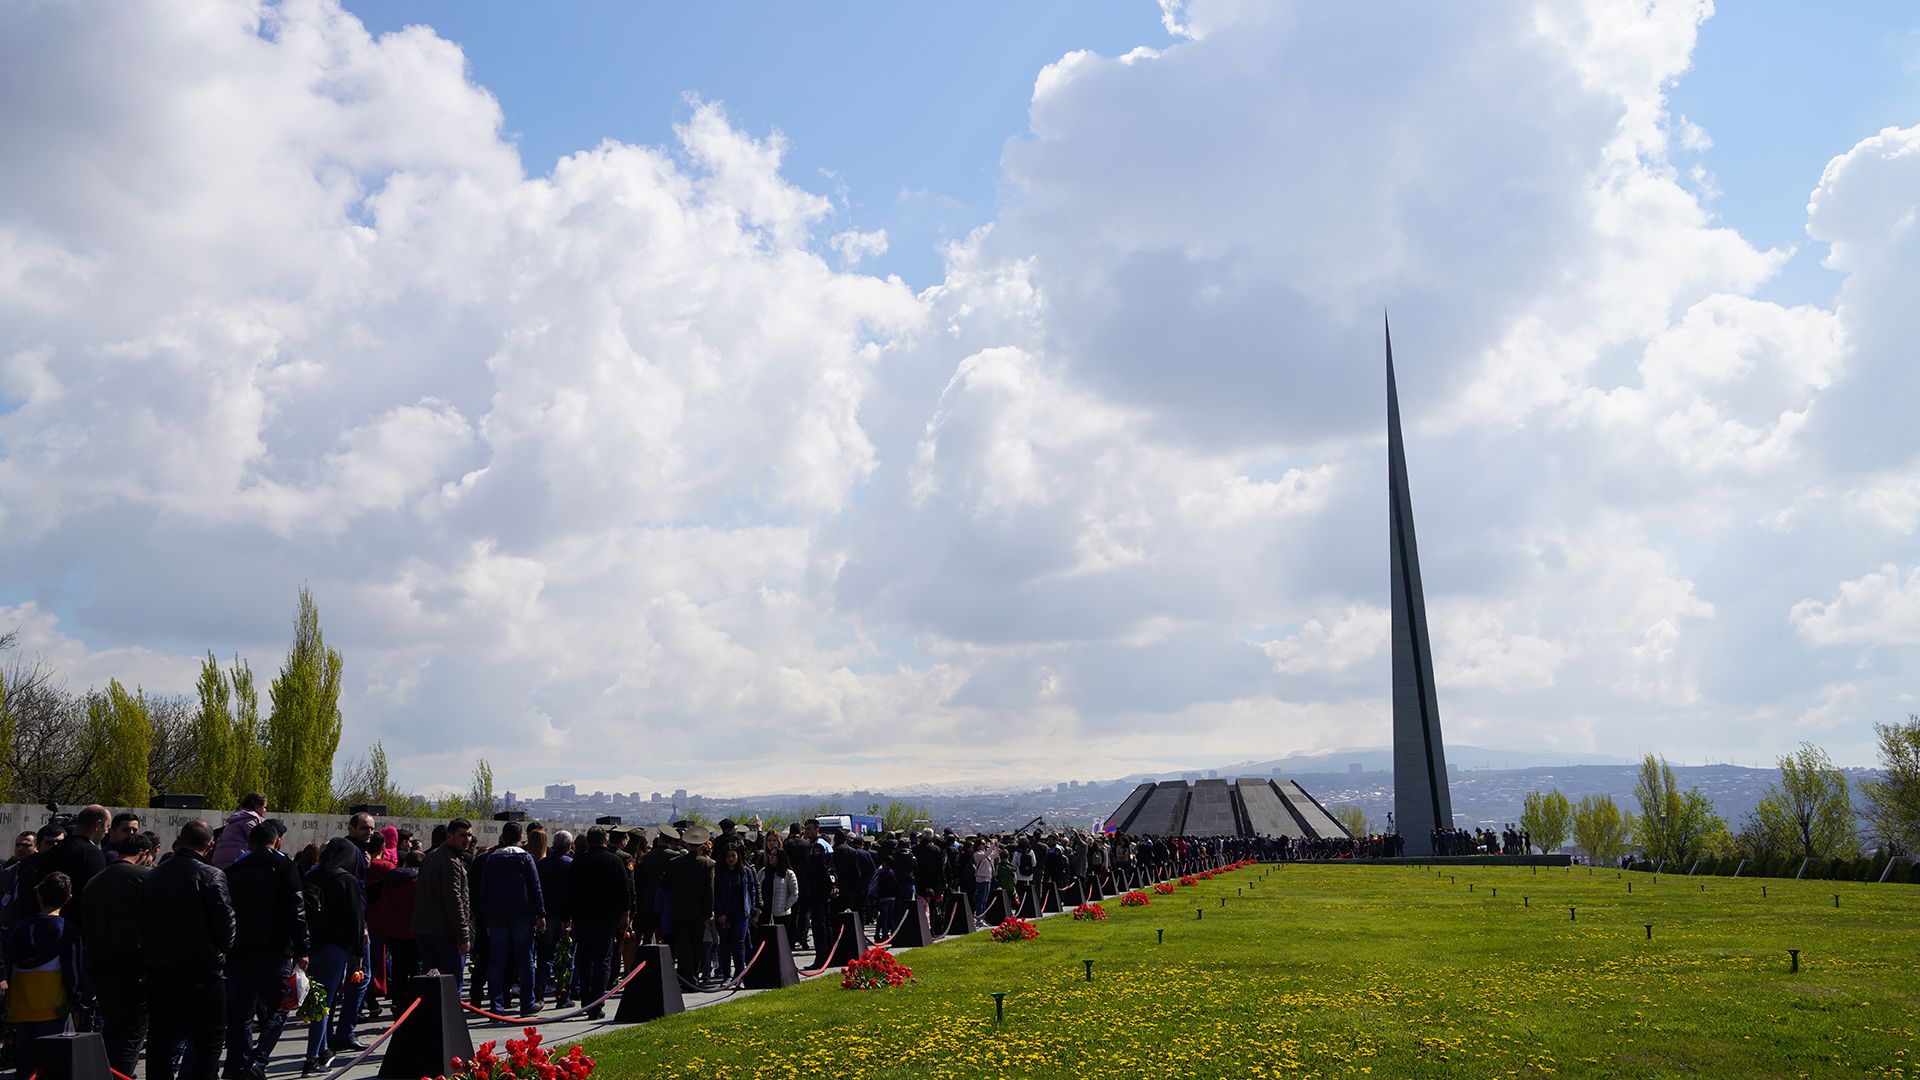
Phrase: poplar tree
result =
(215, 746)
(122, 733)
(303, 731)
(249, 737)
(6, 743)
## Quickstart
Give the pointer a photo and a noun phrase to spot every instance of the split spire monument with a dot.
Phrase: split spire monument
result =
(1420, 799)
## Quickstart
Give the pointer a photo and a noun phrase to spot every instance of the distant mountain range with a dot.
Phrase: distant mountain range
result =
(1380, 759)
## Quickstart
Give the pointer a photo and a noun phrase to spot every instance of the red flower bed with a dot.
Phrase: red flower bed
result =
(1189, 880)
(525, 1059)
(1092, 912)
(1014, 929)
(1136, 898)
(1204, 875)
(1162, 888)
(875, 969)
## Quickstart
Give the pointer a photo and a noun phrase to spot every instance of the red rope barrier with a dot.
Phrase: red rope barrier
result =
(904, 916)
(375, 1044)
(528, 1021)
(118, 1074)
(952, 922)
(730, 985)
(826, 958)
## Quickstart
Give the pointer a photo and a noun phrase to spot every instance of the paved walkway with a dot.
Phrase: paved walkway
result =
(293, 1042)
(555, 1034)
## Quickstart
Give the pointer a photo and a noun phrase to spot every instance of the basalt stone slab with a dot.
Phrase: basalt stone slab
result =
(1267, 815)
(915, 927)
(1163, 811)
(72, 1056)
(851, 939)
(1091, 890)
(433, 1035)
(1210, 810)
(1050, 901)
(653, 993)
(999, 906)
(1421, 800)
(956, 916)
(1127, 808)
(772, 967)
(1029, 904)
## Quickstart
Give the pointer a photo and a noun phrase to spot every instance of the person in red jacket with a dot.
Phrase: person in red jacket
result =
(390, 902)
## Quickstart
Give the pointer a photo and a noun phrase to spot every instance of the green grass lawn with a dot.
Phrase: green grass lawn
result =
(1388, 970)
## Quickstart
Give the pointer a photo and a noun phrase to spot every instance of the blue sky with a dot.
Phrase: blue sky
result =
(611, 453)
(901, 110)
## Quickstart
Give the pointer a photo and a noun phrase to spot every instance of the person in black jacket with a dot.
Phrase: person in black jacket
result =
(115, 966)
(690, 893)
(186, 928)
(599, 900)
(817, 885)
(270, 917)
(337, 924)
(795, 847)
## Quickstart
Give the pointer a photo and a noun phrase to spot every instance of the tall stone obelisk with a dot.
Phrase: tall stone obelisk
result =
(1420, 798)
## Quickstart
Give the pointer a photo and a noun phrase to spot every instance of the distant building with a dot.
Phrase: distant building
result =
(1355, 767)
(679, 795)
(1073, 783)
(560, 791)
(656, 797)
(1061, 786)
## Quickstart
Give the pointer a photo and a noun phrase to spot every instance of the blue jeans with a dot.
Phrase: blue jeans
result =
(981, 891)
(732, 948)
(327, 967)
(546, 947)
(511, 944)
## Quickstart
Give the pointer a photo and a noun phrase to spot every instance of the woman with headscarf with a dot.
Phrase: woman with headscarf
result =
(336, 918)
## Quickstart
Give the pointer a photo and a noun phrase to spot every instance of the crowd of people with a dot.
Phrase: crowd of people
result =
(186, 957)
(1508, 841)
(189, 954)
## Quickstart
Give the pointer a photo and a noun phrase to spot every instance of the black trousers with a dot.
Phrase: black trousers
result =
(593, 946)
(256, 985)
(121, 996)
(185, 1008)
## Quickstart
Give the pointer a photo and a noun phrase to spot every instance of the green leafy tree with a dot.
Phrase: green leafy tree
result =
(213, 737)
(1674, 826)
(118, 725)
(901, 816)
(1893, 800)
(249, 736)
(480, 789)
(1809, 813)
(1600, 828)
(1351, 818)
(1545, 818)
(303, 731)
